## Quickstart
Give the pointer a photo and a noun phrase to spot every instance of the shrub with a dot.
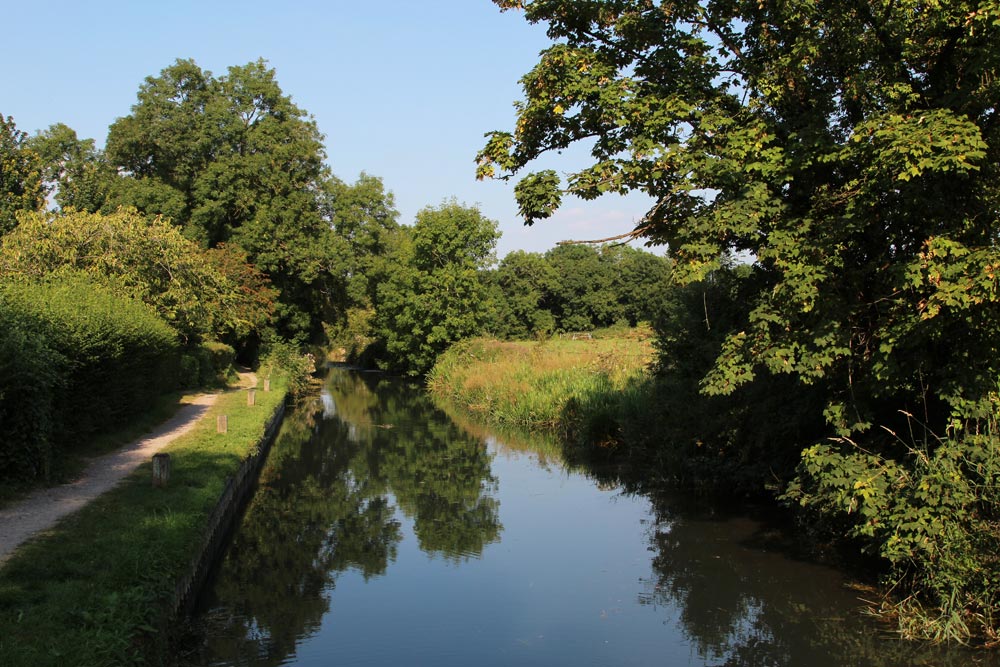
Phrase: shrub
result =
(218, 362)
(284, 358)
(930, 515)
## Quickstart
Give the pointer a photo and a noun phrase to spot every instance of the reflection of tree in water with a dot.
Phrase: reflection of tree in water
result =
(743, 605)
(327, 502)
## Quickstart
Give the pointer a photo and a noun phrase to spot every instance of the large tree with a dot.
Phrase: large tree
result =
(849, 149)
(232, 159)
(435, 293)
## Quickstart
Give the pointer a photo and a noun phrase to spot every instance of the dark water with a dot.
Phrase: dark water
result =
(383, 533)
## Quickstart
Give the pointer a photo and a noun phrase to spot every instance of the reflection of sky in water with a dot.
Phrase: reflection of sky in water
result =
(329, 405)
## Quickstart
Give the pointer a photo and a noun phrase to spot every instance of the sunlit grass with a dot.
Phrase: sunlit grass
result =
(532, 384)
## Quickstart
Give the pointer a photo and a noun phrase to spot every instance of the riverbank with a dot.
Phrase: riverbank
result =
(583, 388)
(99, 588)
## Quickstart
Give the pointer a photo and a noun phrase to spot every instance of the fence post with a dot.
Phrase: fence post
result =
(161, 470)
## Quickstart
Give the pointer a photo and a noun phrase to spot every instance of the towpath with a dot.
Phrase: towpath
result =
(41, 510)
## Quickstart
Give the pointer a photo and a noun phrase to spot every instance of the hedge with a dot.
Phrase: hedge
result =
(75, 360)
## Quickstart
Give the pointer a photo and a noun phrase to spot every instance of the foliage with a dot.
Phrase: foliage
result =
(577, 288)
(281, 358)
(363, 215)
(21, 187)
(850, 152)
(209, 364)
(80, 336)
(435, 294)
(231, 159)
(73, 168)
(836, 148)
(932, 517)
(31, 377)
(202, 293)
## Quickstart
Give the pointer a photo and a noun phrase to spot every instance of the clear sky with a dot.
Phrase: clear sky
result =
(402, 89)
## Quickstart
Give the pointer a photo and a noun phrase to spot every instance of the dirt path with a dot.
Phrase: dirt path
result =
(41, 510)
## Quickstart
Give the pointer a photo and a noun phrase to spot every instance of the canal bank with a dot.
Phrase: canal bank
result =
(104, 586)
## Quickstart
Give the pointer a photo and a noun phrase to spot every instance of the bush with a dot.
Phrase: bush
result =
(931, 516)
(285, 359)
(218, 361)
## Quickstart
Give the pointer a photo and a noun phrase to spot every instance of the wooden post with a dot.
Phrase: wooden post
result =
(222, 424)
(161, 470)
(251, 396)
(267, 384)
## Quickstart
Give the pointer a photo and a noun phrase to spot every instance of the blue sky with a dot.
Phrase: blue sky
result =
(403, 90)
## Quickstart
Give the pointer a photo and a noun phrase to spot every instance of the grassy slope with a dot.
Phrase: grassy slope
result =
(534, 384)
(96, 590)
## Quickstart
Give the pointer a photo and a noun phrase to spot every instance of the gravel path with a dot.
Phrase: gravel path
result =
(41, 510)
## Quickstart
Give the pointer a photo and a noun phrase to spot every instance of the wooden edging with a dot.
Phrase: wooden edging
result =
(220, 521)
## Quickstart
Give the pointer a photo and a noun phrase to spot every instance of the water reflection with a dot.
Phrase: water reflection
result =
(329, 500)
(595, 567)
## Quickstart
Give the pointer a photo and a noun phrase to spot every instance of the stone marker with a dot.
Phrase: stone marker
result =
(161, 470)
(267, 384)
(251, 396)
(222, 424)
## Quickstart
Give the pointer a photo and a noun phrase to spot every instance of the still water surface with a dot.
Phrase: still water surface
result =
(384, 533)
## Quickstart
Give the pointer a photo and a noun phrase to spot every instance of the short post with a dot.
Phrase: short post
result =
(161, 470)
(267, 384)
(251, 396)
(222, 424)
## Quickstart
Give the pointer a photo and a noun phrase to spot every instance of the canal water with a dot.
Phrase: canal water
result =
(383, 532)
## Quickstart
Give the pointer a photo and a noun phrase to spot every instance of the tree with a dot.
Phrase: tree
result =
(584, 296)
(21, 187)
(364, 217)
(850, 149)
(73, 169)
(527, 282)
(233, 160)
(436, 294)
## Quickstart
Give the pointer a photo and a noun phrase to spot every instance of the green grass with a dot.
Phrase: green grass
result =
(556, 385)
(97, 589)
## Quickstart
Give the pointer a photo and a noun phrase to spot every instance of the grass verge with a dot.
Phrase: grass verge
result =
(96, 590)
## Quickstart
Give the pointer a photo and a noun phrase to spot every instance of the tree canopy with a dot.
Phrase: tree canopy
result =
(231, 159)
(435, 294)
(202, 293)
(850, 150)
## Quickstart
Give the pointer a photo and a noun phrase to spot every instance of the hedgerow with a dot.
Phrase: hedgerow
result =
(75, 360)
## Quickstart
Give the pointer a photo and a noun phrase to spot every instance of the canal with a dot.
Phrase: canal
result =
(383, 532)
